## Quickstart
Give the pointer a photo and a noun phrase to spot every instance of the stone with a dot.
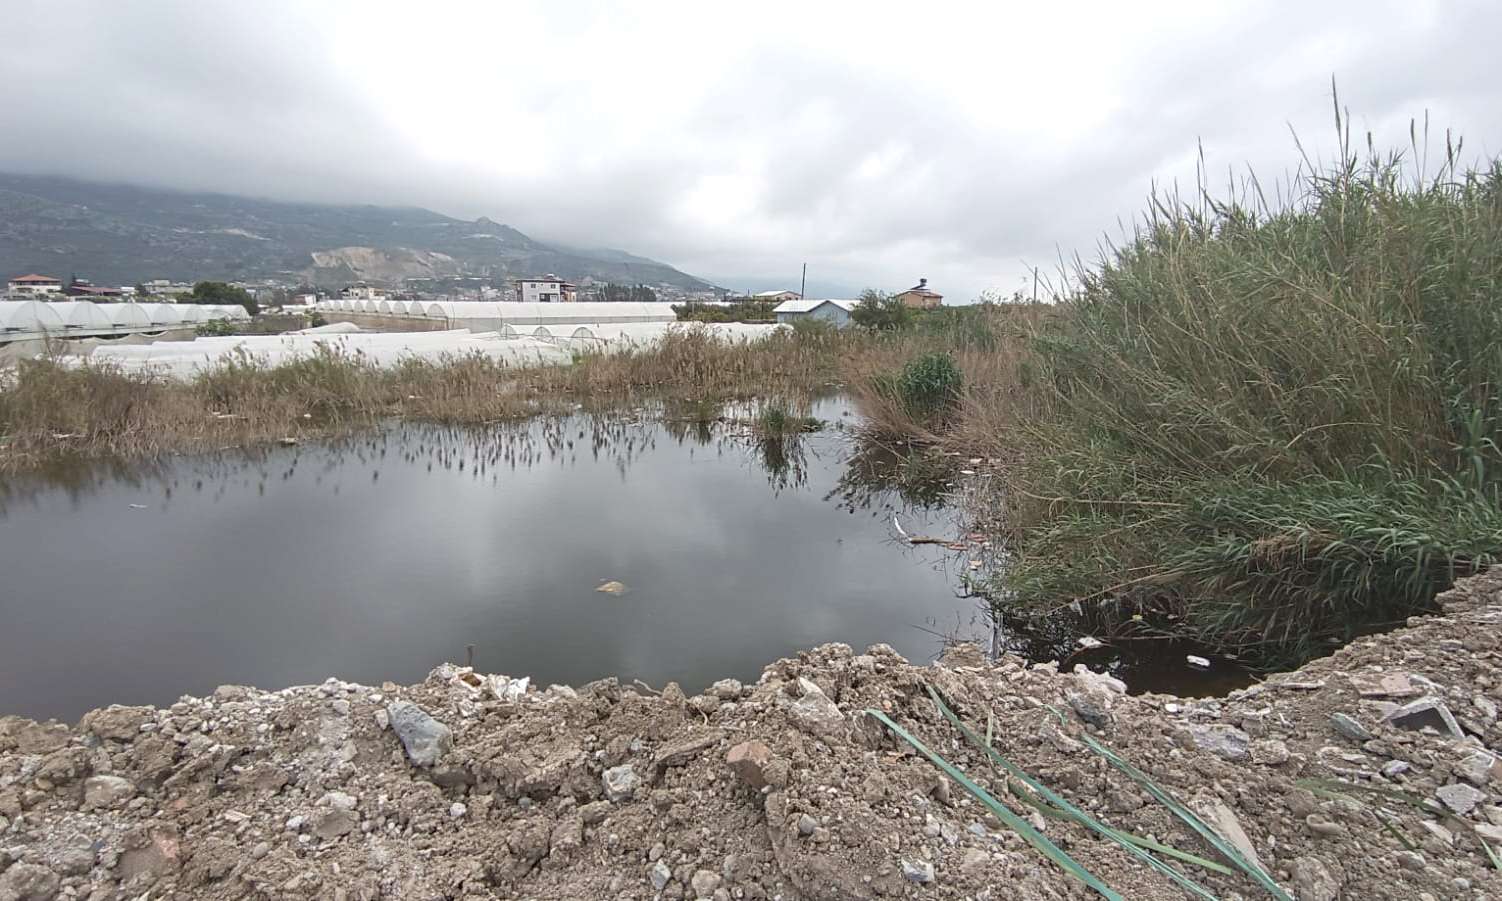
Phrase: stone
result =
(919, 871)
(1459, 797)
(726, 689)
(107, 792)
(1480, 768)
(620, 783)
(686, 751)
(1221, 740)
(116, 723)
(660, 875)
(815, 713)
(334, 822)
(28, 882)
(1270, 752)
(425, 739)
(1491, 832)
(1445, 836)
(155, 853)
(704, 882)
(1312, 880)
(1348, 726)
(457, 810)
(594, 812)
(1395, 768)
(1427, 711)
(1391, 685)
(748, 761)
(807, 824)
(74, 857)
(1091, 706)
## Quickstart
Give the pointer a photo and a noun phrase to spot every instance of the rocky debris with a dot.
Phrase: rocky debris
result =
(749, 761)
(1426, 713)
(1220, 739)
(815, 712)
(774, 787)
(1349, 727)
(107, 791)
(620, 783)
(919, 871)
(1312, 880)
(425, 739)
(28, 882)
(1460, 798)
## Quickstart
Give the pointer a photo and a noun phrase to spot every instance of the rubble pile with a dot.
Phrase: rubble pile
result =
(482, 786)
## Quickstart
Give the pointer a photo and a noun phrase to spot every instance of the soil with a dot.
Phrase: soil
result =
(781, 789)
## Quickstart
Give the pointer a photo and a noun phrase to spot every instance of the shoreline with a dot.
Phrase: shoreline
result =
(782, 788)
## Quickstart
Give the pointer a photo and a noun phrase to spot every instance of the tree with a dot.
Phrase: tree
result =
(879, 311)
(222, 293)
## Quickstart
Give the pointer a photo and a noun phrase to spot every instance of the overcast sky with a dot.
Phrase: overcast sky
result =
(879, 143)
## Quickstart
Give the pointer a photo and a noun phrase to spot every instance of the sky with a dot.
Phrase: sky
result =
(972, 144)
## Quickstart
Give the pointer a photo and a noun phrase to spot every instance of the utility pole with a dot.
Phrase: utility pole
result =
(803, 285)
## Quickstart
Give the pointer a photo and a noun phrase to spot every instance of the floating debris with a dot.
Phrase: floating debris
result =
(612, 587)
(1197, 662)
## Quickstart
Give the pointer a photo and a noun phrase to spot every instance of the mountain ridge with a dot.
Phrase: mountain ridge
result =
(120, 234)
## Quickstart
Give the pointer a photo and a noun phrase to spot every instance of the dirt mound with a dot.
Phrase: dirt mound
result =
(473, 786)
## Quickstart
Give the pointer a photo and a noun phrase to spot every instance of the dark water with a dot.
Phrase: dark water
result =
(379, 558)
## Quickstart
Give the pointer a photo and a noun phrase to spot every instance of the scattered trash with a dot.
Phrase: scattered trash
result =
(612, 587)
(138, 506)
(1089, 643)
(287, 442)
(1197, 662)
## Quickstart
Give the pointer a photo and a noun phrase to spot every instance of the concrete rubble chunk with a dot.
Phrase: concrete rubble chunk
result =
(726, 689)
(660, 875)
(1459, 797)
(749, 760)
(686, 751)
(425, 739)
(620, 783)
(919, 871)
(1221, 740)
(106, 792)
(1313, 881)
(1093, 707)
(29, 882)
(1429, 712)
(1480, 768)
(1349, 727)
(814, 712)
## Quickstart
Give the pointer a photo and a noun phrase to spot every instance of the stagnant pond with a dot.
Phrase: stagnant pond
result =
(380, 557)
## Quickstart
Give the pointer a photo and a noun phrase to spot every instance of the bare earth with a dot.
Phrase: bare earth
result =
(610, 791)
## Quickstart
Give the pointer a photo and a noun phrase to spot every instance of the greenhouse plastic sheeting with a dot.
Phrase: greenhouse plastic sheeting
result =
(185, 359)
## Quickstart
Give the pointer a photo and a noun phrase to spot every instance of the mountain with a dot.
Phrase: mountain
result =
(120, 234)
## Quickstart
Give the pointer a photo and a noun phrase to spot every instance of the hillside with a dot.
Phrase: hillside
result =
(123, 234)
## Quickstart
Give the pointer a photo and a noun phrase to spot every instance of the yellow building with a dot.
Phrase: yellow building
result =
(919, 297)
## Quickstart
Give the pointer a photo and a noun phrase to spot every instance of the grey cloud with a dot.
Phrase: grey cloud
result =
(871, 163)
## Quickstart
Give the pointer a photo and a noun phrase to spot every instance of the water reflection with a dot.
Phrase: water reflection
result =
(377, 556)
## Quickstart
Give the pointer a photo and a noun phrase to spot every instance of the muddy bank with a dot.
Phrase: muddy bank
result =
(470, 786)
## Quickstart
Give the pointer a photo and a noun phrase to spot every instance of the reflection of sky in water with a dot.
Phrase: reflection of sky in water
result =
(381, 557)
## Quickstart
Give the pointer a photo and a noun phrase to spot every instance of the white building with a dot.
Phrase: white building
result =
(34, 285)
(361, 292)
(836, 312)
(548, 289)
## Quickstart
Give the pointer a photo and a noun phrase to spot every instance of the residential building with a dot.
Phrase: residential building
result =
(361, 292)
(32, 285)
(82, 287)
(778, 296)
(836, 312)
(919, 297)
(548, 289)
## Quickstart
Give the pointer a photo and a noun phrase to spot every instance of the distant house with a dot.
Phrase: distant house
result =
(919, 297)
(836, 312)
(361, 292)
(81, 287)
(777, 296)
(548, 289)
(28, 285)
